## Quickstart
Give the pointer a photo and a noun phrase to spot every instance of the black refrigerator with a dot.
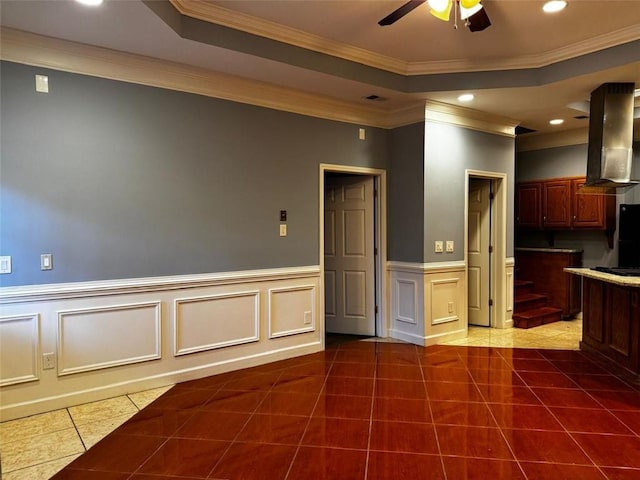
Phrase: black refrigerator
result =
(629, 236)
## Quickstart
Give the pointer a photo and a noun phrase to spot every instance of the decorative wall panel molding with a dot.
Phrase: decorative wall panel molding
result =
(104, 337)
(109, 336)
(19, 349)
(445, 300)
(407, 305)
(216, 321)
(291, 310)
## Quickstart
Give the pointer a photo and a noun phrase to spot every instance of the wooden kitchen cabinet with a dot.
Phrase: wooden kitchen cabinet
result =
(528, 203)
(592, 211)
(556, 204)
(611, 322)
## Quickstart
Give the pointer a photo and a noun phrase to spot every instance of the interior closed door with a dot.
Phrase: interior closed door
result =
(479, 246)
(349, 263)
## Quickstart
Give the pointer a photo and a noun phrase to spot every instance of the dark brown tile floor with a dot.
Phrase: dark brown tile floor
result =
(367, 410)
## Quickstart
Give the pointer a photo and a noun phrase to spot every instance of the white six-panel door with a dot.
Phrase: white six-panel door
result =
(348, 255)
(478, 252)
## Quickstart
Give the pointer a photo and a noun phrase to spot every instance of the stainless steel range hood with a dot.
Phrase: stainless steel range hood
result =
(611, 137)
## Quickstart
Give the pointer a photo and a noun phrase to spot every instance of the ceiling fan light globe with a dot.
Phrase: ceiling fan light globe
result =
(469, 3)
(467, 12)
(442, 14)
(439, 6)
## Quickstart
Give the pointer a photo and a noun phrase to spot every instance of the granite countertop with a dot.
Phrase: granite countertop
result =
(605, 277)
(548, 250)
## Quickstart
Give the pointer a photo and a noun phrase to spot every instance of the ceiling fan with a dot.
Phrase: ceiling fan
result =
(471, 11)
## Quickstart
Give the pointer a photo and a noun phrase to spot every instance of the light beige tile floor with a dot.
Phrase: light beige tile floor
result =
(36, 447)
(563, 335)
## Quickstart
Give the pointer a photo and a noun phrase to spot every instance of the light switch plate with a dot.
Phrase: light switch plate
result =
(5, 264)
(439, 246)
(449, 246)
(283, 230)
(46, 261)
(42, 84)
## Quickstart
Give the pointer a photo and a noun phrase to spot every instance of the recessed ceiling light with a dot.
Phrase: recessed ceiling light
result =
(90, 3)
(466, 97)
(556, 121)
(554, 6)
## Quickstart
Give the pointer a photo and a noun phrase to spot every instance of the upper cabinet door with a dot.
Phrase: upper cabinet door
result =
(556, 204)
(528, 205)
(588, 209)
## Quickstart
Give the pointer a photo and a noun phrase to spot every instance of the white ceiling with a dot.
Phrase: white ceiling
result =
(521, 35)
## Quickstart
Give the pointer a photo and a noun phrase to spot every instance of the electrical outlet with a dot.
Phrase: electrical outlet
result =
(439, 246)
(307, 318)
(48, 361)
(449, 246)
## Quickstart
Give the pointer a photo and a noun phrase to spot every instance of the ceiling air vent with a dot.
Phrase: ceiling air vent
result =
(375, 98)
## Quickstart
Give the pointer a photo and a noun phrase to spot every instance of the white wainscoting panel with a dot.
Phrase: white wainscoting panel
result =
(291, 310)
(509, 294)
(115, 337)
(407, 305)
(103, 337)
(407, 302)
(445, 300)
(216, 321)
(436, 292)
(19, 348)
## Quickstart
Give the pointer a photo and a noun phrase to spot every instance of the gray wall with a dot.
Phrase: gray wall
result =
(406, 194)
(119, 180)
(571, 161)
(449, 151)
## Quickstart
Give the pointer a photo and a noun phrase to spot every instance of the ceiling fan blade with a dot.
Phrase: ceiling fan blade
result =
(479, 20)
(400, 12)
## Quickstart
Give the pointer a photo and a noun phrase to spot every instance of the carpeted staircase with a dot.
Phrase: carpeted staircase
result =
(531, 309)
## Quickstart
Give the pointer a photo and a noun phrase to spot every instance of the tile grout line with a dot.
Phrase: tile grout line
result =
(373, 399)
(304, 431)
(562, 425)
(435, 430)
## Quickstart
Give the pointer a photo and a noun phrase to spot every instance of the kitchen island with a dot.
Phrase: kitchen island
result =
(611, 317)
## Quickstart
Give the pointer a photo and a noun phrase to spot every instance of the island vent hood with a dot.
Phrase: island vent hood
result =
(611, 137)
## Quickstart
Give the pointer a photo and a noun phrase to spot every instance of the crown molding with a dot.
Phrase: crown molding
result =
(40, 51)
(468, 118)
(564, 138)
(209, 12)
(46, 52)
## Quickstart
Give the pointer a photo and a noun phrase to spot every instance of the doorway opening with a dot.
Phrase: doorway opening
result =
(352, 250)
(485, 248)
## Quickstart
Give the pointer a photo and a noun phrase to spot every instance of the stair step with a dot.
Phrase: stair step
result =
(529, 301)
(536, 316)
(523, 286)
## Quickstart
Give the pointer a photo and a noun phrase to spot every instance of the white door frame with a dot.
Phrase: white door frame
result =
(380, 221)
(499, 234)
